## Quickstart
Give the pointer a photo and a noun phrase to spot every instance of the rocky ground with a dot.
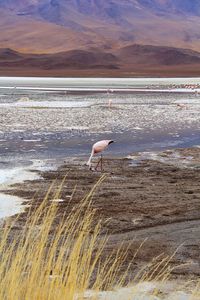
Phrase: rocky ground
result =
(142, 200)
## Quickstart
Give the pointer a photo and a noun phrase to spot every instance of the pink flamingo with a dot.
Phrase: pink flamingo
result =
(181, 106)
(97, 148)
(109, 103)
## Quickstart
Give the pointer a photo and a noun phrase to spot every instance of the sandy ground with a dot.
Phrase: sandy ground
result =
(156, 200)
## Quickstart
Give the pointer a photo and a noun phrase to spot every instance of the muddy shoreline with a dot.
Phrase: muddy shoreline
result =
(152, 201)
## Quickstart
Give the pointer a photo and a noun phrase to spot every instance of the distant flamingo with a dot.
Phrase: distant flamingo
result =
(110, 91)
(181, 106)
(109, 103)
(97, 148)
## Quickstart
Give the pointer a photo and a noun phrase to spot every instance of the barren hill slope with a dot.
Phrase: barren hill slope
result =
(60, 25)
(137, 60)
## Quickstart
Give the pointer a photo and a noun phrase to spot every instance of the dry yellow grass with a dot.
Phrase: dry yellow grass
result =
(48, 261)
(54, 262)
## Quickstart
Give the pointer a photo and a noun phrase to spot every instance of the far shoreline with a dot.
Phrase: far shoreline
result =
(165, 72)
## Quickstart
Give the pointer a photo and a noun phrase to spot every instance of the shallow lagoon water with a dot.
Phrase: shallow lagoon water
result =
(17, 171)
(61, 124)
(10, 205)
(91, 83)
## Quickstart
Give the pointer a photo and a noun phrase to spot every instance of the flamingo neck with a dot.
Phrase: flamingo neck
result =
(90, 159)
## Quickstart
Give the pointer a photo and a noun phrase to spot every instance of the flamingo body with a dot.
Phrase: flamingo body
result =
(110, 103)
(101, 146)
(181, 105)
(97, 148)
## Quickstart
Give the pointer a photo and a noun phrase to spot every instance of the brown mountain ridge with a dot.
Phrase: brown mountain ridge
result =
(139, 60)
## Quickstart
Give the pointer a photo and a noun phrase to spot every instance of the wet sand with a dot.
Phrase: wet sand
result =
(155, 199)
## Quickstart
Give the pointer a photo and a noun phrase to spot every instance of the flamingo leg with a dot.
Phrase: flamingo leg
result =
(97, 165)
(99, 162)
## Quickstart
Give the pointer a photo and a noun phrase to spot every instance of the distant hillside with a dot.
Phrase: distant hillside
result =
(134, 60)
(49, 26)
(155, 55)
(75, 59)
